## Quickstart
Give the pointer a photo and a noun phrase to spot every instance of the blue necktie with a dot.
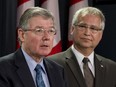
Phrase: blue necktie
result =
(39, 79)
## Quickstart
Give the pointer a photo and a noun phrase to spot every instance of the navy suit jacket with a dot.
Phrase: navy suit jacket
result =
(14, 72)
(105, 70)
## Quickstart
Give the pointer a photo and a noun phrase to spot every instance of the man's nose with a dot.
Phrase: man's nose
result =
(87, 31)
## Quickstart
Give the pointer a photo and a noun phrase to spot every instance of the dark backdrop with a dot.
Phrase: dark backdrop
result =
(8, 9)
(107, 46)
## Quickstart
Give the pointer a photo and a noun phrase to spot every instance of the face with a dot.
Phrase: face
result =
(86, 38)
(34, 44)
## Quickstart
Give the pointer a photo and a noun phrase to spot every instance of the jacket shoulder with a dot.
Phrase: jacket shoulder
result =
(106, 61)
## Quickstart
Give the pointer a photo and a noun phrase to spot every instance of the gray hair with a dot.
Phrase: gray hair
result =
(86, 11)
(33, 12)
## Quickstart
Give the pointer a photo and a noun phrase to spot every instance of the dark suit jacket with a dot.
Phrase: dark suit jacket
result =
(14, 72)
(105, 70)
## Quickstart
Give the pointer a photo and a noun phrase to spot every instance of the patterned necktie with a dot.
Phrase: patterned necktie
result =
(89, 79)
(39, 79)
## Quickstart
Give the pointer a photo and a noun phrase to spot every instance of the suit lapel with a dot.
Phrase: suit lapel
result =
(51, 74)
(23, 70)
(74, 66)
(99, 72)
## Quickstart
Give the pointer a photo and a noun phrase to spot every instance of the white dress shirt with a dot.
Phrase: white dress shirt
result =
(80, 56)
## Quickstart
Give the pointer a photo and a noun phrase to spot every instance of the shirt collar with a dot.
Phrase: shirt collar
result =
(32, 63)
(80, 56)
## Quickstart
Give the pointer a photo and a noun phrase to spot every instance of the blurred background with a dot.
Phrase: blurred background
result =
(63, 11)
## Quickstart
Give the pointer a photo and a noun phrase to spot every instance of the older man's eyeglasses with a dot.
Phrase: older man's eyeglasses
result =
(93, 29)
(41, 31)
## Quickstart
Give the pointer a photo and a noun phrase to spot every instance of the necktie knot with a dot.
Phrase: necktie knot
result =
(38, 68)
(85, 60)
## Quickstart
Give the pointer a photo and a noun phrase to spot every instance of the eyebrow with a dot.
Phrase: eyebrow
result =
(89, 25)
(43, 27)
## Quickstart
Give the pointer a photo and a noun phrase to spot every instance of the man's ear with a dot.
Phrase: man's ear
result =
(72, 30)
(20, 34)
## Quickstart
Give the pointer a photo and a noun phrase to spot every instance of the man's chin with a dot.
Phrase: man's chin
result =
(45, 53)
